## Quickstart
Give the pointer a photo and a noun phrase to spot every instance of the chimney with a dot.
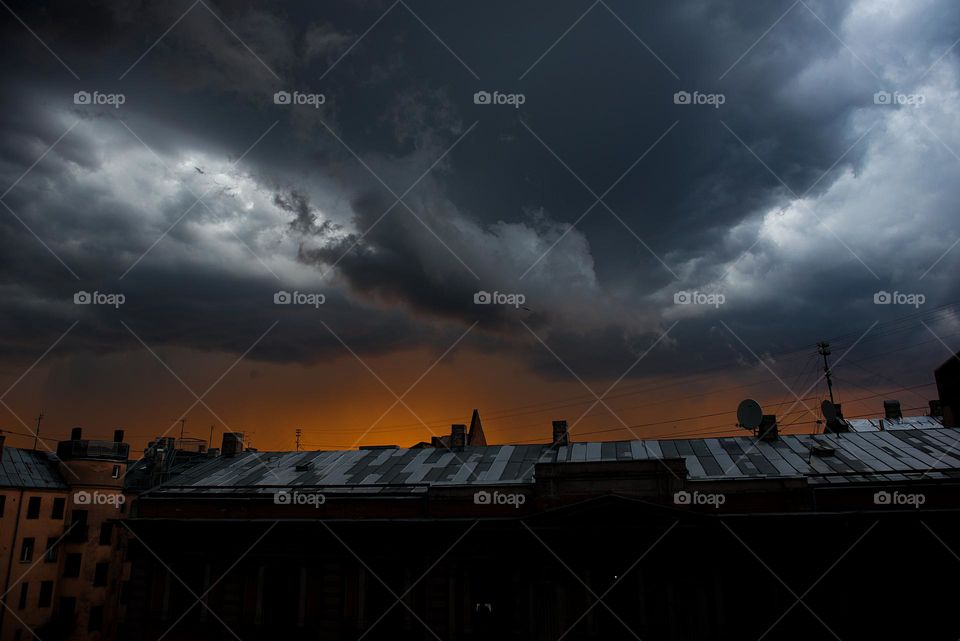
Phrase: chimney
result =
(76, 434)
(561, 435)
(936, 409)
(891, 410)
(768, 428)
(232, 443)
(458, 437)
(118, 436)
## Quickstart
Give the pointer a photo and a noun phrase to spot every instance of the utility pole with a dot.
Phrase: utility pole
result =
(210, 442)
(36, 434)
(823, 349)
(299, 433)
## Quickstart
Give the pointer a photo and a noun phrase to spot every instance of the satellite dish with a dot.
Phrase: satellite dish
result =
(829, 410)
(749, 414)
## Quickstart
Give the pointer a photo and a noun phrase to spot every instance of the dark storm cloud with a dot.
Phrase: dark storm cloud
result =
(703, 210)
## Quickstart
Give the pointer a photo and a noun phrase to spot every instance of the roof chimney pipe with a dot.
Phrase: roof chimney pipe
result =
(232, 444)
(891, 410)
(768, 428)
(118, 436)
(458, 437)
(561, 434)
(76, 434)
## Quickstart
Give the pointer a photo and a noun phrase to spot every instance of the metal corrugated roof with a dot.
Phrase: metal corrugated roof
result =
(895, 455)
(28, 469)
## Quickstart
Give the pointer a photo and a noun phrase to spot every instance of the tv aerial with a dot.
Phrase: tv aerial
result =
(749, 414)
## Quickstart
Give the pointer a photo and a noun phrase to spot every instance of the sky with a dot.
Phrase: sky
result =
(364, 220)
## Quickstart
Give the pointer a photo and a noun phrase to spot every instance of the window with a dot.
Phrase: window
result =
(79, 532)
(116, 471)
(50, 555)
(106, 534)
(58, 506)
(33, 507)
(24, 589)
(26, 550)
(100, 575)
(95, 622)
(46, 594)
(68, 606)
(71, 567)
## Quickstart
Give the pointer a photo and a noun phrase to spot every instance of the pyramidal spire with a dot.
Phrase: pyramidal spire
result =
(476, 436)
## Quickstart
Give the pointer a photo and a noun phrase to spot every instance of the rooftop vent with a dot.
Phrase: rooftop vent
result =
(822, 450)
(306, 466)
(891, 410)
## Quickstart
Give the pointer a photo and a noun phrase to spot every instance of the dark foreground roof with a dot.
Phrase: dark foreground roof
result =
(28, 469)
(899, 455)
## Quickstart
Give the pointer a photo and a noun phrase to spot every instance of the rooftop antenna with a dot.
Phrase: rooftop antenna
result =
(299, 433)
(36, 434)
(749, 414)
(823, 348)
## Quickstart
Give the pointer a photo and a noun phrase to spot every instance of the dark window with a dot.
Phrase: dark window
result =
(68, 606)
(106, 534)
(3, 503)
(95, 621)
(33, 507)
(46, 594)
(24, 589)
(100, 574)
(116, 471)
(26, 550)
(78, 528)
(58, 507)
(50, 556)
(71, 567)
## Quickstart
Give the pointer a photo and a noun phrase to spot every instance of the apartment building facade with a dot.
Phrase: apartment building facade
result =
(61, 549)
